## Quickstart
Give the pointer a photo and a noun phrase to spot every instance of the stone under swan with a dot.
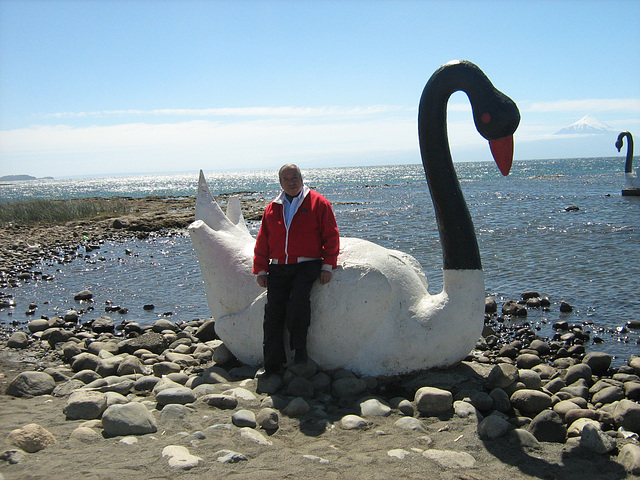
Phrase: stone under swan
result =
(376, 316)
(632, 179)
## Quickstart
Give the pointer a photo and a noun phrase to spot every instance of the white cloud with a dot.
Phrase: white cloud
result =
(628, 105)
(273, 112)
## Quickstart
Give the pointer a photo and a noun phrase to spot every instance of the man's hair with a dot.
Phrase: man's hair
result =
(289, 166)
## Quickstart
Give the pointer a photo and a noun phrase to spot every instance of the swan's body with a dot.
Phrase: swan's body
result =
(632, 179)
(375, 317)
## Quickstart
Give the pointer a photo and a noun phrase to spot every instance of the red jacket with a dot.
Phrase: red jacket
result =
(313, 233)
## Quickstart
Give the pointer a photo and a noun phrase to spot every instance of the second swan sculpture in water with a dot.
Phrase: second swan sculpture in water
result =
(632, 179)
(375, 317)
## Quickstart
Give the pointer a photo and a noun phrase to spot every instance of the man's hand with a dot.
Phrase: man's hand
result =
(262, 280)
(325, 276)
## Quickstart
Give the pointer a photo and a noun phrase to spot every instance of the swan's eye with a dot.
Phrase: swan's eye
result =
(486, 117)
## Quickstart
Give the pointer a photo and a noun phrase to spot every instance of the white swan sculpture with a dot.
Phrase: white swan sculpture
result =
(632, 179)
(375, 317)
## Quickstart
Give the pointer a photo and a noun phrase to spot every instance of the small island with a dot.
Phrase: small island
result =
(14, 178)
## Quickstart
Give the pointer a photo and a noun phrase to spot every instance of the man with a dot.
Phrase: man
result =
(298, 242)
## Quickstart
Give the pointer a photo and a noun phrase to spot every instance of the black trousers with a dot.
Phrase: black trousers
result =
(288, 305)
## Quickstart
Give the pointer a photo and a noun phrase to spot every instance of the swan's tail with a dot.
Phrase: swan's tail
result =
(208, 210)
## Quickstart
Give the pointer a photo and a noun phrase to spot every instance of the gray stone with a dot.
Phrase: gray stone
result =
(39, 325)
(596, 440)
(86, 435)
(450, 459)
(300, 387)
(228, 456)
(493, 426)
(244, 418)
(297, 407)
(222, 355)
(530, 378)
(180, 395)
(599, 362)
(527, 360)
(254, 436)
(129, 419)
(130, 364)
(578, 371)
(181, 359)
(410, 423)
(161, 369)
(102, 324)
(547, 426)
(374, 408)
(146, 383)
(85, 404)
(221, 401)
(67, 388)
(31, 384)
(18, 340)
(347, 386)
(501, 401)
(353, 422)
(431, 401)
(268, 419)
(530, 402)
(179, 457)
(608, 395)
(524, 438)
(86, 361)
(627, 415)
(564, 406)
(174, 412)
(163, 324)
(482, 401)
(629, 458)
(206, 332)
(465, 410)
(86, 376)
(115, 398)
(502, 375)
(540, 346)
(83, 295)
(154, 342)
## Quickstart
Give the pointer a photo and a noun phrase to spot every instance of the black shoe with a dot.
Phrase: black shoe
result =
(301, 356)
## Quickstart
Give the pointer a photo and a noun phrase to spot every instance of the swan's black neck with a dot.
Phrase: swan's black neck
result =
(457, 234)
(628, 166)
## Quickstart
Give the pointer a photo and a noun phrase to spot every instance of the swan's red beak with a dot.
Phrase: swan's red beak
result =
(502, 151)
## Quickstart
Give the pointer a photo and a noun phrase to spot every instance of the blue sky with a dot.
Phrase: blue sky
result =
(114, 86)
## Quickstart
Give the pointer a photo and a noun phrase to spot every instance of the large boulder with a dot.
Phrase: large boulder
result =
(152, 341)
(85, 404)
(31, 384)
(128, 419)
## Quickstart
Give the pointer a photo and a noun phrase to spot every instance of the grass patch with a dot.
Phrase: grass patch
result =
(60, 211)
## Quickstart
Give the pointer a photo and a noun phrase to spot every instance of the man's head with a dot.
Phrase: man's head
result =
(290, 179)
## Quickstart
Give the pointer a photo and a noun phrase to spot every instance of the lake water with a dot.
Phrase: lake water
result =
(589, 257)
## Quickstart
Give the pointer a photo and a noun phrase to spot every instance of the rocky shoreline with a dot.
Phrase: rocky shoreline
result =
(168, 400)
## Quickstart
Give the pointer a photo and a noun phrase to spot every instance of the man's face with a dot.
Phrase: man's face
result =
(291, 182)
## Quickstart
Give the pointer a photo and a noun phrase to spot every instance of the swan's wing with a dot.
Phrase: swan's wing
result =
(234, 212)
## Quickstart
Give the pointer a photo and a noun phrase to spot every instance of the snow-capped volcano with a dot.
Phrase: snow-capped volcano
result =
(586, 125)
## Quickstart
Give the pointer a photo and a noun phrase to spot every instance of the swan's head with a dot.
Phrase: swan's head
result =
(497, 117)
